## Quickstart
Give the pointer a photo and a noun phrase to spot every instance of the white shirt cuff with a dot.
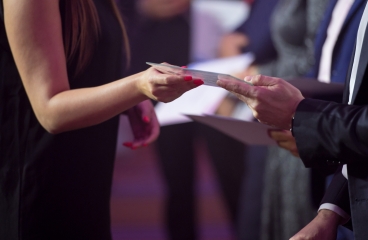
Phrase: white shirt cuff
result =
(345, 171)
(336, 209)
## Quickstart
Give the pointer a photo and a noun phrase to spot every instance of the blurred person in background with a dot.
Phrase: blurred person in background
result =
(254, 36)
(164, 35)
(287, 203)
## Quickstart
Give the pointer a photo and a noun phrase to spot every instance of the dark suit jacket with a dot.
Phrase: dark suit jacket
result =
(332, 134)
(345, 42)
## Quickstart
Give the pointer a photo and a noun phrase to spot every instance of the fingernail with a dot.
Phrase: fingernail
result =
(128, 144)
(248, 78)
(198, 82)
(184, 66)
(146, 119)
(188, 78)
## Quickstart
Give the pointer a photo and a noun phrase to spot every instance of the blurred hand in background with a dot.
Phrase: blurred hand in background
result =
(232, 44)
(162, 9)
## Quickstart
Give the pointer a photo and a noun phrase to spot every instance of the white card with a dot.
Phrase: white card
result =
(209, 78)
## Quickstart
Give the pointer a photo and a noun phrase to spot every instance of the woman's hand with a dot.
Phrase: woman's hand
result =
(285, 140)
(163, 87)
(144, 124)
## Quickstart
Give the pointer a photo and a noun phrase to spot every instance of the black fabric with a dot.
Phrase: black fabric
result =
(176, 146)
(338, 192)
(327, 118)
(57, 186)
(159, 41)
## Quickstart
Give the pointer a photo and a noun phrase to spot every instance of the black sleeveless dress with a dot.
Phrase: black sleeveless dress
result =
(57, 186)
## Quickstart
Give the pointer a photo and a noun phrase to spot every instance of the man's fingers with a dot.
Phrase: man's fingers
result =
(261, 80)
(295, 154)
(281, 135)
(288, 145)
(237, 87)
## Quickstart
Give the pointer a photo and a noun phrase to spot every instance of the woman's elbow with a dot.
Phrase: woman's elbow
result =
(51, 124)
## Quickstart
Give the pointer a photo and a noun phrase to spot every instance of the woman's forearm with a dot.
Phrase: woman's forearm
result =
(85, 107)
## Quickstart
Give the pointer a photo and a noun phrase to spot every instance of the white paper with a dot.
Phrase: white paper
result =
(251, 133)
(209, 78)
(203, 99)
(228, 65)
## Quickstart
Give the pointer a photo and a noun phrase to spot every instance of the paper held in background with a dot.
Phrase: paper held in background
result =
(313, 88)
(203, 99)
(250, 133)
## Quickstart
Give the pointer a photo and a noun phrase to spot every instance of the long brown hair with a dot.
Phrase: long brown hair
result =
(81, 30)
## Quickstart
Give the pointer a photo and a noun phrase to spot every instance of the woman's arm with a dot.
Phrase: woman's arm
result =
(34, 30)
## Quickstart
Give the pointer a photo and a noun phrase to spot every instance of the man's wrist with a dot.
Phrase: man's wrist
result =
(328, 215)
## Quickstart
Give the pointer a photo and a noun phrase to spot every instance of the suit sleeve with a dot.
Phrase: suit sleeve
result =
(330, 134)
(337, 194)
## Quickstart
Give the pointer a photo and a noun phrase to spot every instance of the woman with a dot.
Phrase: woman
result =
(60, 61)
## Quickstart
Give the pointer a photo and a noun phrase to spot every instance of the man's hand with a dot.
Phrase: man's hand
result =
(285, 140)
(272, 100)
(322, 227)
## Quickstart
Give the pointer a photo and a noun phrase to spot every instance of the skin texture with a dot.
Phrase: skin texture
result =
(285, 140)
(162, 9)
(272, 100)
(322, 227)
(34, 31)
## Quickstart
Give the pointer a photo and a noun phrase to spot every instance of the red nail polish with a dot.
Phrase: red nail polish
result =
(184, 66)
(128, 144)
(188, 78)
(198, 82)
(145, 144)
(146, 119)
